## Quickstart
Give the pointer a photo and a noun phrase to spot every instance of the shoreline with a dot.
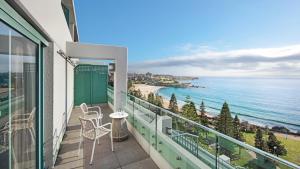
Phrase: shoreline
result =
(146, 89)
(241, 117)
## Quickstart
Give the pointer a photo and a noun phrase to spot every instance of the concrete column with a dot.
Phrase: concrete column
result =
(120, 80)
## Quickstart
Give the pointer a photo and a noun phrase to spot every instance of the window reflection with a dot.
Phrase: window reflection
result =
(17, 105)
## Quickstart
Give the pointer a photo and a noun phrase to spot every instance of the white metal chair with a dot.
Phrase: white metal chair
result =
(92, 112)
(24, 121)
(93, 132)
(20, 122)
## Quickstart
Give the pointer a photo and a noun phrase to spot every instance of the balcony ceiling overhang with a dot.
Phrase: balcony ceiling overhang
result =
(96, 51)
(71, 6)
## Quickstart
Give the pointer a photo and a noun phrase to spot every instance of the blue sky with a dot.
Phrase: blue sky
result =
(157, 32)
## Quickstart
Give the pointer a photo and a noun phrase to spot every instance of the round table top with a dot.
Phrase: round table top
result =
(118, 115)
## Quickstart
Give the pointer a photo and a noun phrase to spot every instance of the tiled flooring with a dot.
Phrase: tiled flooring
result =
(127, 154)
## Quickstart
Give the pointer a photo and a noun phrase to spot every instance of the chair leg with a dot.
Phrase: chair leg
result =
(32, 136)
(33, 131)
(15, 160)
(98, 142)
(16, 164)
(111, 141)
(100, 121)
(32, 142)
(79, 144)
(92, 156)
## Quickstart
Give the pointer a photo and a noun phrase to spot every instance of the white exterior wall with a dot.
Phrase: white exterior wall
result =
(48, 14)
(70, 88)
(59, 88)
(59, 97)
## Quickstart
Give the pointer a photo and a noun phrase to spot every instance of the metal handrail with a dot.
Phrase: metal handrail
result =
(242, 144)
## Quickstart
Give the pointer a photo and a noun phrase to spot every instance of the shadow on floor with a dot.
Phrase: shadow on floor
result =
(127, 154)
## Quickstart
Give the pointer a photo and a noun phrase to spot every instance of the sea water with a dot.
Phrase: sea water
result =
(261, 101)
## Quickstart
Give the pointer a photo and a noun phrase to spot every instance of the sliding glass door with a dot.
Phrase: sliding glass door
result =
(18, 99)
(21, 91)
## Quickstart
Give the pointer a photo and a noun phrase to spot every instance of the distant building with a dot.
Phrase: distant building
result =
(149, 75)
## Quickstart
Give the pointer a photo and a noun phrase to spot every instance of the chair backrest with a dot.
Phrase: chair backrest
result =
(84, 108)
(4, 138)
(88, 128)
(31, 117)
(32, 113)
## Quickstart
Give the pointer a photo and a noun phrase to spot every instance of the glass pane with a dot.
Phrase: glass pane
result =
(4, 95)
(187, 144)
(18, 105)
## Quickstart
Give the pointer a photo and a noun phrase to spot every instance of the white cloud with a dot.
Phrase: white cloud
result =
(205, 61)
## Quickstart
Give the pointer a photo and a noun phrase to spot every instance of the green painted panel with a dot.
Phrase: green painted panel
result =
(82, 86)
(91, 84)
(99, 84)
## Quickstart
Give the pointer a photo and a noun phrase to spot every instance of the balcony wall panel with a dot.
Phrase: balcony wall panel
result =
(48, 105)
(59, 91)
(70, 89)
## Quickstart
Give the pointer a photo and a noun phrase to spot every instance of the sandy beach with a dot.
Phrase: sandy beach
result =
(146, 89)
(288, 136)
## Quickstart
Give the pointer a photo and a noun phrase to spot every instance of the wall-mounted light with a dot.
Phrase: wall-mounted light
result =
(67, 58)
(111, 67)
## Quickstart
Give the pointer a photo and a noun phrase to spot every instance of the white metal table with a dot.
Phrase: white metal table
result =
(119, 126)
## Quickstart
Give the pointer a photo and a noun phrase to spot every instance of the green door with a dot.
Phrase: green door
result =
(91, 84)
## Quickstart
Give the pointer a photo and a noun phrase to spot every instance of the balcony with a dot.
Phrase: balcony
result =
(162, 139)
(127, 154)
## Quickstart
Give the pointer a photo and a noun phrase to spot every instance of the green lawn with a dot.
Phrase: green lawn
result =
(292, 146)
(244, 159)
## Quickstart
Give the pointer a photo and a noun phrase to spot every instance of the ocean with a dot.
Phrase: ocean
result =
(261, 101)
